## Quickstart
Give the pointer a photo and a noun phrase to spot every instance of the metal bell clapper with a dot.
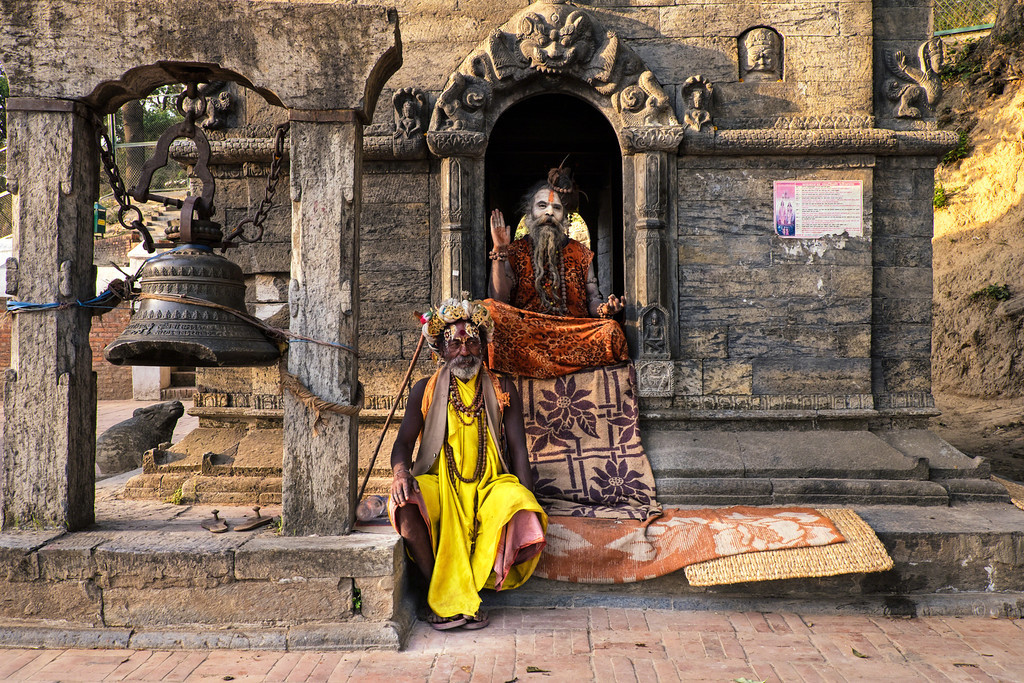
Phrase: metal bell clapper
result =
(188, 294)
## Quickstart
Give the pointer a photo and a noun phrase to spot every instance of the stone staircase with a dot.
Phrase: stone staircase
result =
(182, 387)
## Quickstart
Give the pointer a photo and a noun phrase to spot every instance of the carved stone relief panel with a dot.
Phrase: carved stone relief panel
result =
(655, 378)
(914, 85)
(760, 55)
(457, 218)
(651, 205)
(412, 111)
(654, 332)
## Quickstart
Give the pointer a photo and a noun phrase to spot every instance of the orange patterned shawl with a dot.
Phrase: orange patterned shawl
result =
(576, 258)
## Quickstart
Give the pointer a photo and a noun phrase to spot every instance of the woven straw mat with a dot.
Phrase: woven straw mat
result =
(862, 552)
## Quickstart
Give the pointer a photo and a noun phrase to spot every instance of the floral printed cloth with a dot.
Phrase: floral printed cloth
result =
(583, 435)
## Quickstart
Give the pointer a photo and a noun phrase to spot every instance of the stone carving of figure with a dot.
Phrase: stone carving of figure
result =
(698, 92)
(558, 44)
(760, 55)
(654, 335)
(914, 83)
(463, 101)
(410, 113)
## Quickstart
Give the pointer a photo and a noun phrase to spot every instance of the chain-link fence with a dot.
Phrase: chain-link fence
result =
(134, 130)
(957, 16)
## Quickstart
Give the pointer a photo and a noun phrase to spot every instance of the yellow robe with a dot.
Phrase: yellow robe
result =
(459, 575)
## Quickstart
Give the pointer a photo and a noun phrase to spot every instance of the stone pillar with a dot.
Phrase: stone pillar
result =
(650, 172)
(461, 264)
(50, 389)
(320, 457)
(655, 371)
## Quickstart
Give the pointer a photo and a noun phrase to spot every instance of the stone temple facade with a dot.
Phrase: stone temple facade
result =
(679, 118)
(758, 180)
(682, 121)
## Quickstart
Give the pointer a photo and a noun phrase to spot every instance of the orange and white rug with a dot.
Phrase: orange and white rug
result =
(588, 550)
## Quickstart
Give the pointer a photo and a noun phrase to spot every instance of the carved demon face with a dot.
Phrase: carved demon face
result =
(557, 42)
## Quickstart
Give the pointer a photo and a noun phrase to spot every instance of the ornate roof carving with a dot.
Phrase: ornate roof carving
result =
(551, 39)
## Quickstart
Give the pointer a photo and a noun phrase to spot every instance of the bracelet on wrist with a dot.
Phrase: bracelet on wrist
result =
(499, 253)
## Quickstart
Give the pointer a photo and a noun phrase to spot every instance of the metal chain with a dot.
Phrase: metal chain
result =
(267, 203)
(124, 200)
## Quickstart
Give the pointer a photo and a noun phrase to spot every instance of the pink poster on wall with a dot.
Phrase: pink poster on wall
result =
(814, 208)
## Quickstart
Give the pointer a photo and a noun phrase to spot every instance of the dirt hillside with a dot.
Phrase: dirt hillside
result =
(978, 260)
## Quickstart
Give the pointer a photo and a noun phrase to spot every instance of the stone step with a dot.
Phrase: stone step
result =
(961, 560)
(146, 575)
(183, 378)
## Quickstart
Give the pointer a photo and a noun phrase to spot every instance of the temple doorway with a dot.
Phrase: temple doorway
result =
(534, 136)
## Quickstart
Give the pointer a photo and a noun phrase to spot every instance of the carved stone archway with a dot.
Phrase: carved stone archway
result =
(558, 47)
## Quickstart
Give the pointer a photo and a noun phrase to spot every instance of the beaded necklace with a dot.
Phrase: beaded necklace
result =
(473, 412)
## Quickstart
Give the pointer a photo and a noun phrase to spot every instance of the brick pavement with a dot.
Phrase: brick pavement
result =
(597, 644)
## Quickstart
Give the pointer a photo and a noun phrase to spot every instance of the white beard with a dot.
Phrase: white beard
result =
(465, 367)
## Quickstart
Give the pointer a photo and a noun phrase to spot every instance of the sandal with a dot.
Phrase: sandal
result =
(445, 623)
(481, 620)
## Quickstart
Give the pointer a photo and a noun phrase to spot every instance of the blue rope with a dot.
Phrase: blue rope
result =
(100, 301)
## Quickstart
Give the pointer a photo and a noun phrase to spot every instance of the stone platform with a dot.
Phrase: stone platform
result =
(962, 560)
(147, 575)
(822, 467)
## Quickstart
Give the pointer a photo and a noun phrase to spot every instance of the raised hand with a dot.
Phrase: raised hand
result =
(501, 234)
(615, 304)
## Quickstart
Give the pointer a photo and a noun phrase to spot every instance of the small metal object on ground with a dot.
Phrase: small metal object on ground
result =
(215, 525)
(371, 508)
(254, 522)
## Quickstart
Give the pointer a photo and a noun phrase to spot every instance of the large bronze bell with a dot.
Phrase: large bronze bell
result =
(169, 333)
(192, 309)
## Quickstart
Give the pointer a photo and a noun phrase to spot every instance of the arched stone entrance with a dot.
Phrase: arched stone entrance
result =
(537, 134)
(551, 48)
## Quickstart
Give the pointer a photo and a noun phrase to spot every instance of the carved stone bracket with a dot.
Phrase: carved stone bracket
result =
(408, 140)
(551, 38)
(229, 151)
(655, 378)
(651, 138)
(654, 332)
(457, 143)
(913, 85)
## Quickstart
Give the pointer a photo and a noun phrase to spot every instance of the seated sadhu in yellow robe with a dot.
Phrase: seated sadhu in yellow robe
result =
(486, 528)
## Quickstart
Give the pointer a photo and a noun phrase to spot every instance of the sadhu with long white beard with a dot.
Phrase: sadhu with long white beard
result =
(465, 508)
(550, 316)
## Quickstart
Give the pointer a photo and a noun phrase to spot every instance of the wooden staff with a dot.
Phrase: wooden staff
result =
(387, 422)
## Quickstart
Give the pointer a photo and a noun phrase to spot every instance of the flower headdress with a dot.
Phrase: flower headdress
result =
(437, 320)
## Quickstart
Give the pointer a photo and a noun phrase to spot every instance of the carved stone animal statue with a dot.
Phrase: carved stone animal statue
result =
(120, 448)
